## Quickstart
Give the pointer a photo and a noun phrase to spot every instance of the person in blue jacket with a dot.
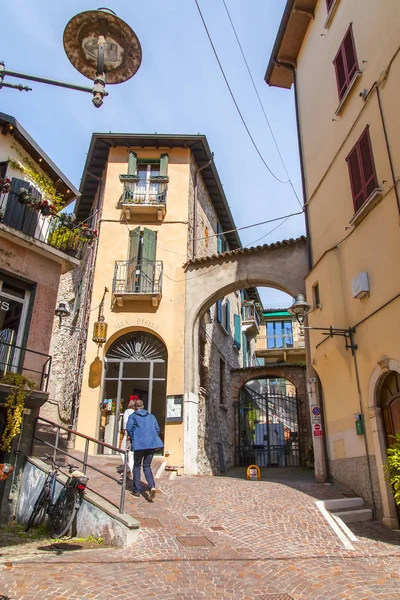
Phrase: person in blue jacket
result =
(143, 430)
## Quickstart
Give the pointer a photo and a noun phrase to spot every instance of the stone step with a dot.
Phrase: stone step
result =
(343, 503)
(351, 516)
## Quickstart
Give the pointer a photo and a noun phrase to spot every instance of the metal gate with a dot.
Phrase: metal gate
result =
(268, 428)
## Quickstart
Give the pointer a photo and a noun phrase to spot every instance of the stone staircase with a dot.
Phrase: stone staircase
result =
(349, 510)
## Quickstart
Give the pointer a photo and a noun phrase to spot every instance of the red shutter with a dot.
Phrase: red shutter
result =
(350, 55)
(340, 73)
(355, 178)
(367, 162)
(345, 63)
(362, 170)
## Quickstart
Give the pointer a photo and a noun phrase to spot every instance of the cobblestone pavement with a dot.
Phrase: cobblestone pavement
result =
(222, 537)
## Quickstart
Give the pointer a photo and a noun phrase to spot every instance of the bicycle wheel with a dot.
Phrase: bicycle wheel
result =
(63, 512)
(39, 506)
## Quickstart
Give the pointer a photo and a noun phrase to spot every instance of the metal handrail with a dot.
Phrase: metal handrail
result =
(84, 462)
(19, 365)
(287, 339)
(144, 192)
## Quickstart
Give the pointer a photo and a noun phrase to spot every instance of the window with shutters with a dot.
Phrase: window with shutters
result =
(362, 173)
(226, 316)
(146, 181)
(346, 64)
(219, 310)
(222, 244)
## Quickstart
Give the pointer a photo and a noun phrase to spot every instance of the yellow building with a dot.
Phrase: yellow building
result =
(157, 202)
(343, 59)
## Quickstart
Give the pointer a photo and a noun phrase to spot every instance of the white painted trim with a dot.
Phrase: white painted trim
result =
(328, 517)
(332, 10)
(344, 528)
(352, 83)
(373, 199)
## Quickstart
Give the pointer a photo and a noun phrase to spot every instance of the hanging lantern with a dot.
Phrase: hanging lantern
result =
(100, 327)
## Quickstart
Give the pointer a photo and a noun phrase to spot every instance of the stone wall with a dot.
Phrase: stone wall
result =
(353, 473)
(68, 343)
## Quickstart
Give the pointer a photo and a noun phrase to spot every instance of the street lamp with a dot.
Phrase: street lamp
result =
(300, 308)
(101, 46)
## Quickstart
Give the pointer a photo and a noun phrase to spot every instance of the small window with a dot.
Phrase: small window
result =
(362, 173)
(346, 65)
(226, 316)
(329, 4)
(219, 310)
(316, 295)
(221, 381)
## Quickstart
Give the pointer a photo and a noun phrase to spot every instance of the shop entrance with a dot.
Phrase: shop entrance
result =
(135, 364)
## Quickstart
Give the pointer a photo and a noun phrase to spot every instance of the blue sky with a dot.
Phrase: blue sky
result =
(178, 89)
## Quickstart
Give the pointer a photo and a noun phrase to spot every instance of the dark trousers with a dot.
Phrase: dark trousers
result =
(143, 457)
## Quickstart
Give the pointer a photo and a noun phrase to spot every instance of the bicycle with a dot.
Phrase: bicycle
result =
(63, 511)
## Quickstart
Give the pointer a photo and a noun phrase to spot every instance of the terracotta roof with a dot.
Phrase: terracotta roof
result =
(223, 255)
(292, 30)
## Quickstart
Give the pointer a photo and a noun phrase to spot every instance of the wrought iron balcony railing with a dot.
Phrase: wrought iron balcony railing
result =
(250, 313)
(30, 363)
(49, 229)
(144, 192)
(131, 277)
(278, 342)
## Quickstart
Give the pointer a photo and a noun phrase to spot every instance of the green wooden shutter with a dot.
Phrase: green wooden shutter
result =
(244, 346)
(219, 238)
(132, 163)
(134, 242)
(147, 262)
(227, 316)
(219, 311)
(238, 331)
(164, 165)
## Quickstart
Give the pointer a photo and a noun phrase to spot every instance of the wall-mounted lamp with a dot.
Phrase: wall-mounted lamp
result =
(100, 327)
(300, 308)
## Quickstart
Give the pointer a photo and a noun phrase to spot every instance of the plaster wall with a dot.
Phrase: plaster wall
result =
(342, 247)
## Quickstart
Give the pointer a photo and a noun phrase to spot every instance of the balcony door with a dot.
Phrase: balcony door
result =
(14, 302)
(141, 265)
(135, 364)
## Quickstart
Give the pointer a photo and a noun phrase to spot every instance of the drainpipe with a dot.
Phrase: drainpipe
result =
(196, 176)
(396, 191)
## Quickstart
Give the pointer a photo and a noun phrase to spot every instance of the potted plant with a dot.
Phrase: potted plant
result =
(24, 197)
(4, 185)
(45, 208)
(392, 467)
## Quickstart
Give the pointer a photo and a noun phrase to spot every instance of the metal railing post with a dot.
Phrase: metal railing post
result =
(85, 455)
(56, 445)
(122, 501)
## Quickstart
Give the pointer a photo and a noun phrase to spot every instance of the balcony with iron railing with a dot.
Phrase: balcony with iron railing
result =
(281, 346)
(250, 320)
(34, 221)
(144, 197)
(33, 365)
(137, 281)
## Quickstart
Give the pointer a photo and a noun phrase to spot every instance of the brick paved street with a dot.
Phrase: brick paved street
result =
(217, 538)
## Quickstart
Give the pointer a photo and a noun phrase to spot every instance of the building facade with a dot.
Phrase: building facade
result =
(343, 59)
(34, 252)
(157, 202)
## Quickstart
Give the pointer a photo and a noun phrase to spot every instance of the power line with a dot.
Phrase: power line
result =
(260, 101)
(234, 99)
(269, 232)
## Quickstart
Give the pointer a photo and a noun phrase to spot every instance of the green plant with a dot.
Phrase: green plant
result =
(64, 238)
(41, 181)
(22, 387)
(392, 467)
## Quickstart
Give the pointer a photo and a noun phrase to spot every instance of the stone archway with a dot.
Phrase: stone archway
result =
(296, 375)
(383, 368)
(283, 265)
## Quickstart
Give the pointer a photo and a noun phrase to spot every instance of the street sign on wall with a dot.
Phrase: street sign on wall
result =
(317, 430)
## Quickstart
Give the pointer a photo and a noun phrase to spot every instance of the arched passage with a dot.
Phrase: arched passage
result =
(282, 265)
